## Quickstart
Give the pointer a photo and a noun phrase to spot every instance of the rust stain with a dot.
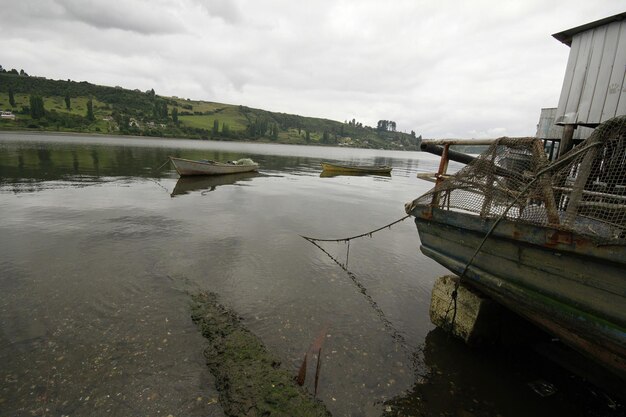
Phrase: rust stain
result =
(557, 237)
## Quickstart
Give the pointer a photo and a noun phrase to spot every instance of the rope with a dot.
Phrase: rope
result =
(159, 184)
(395, 333)
(162, 165)
(157, 170)
(348, 239)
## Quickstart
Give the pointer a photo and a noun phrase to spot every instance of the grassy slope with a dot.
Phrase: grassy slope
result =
(196, 115)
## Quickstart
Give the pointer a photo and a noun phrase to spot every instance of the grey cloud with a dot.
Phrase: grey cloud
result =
(228, 10)
(142, 17)
(439, 68)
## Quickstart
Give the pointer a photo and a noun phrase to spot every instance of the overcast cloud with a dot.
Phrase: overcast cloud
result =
(443, 68)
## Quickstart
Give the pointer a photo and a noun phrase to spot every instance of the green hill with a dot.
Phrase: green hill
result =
(58, 105)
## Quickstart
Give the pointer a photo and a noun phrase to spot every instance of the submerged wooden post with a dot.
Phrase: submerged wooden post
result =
(477, 318)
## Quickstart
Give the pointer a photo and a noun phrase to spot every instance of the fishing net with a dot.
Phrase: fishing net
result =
(584, 191)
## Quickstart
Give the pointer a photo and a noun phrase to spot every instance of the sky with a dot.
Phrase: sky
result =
(442, 68)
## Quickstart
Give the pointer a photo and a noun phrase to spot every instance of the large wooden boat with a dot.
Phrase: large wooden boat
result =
(206, 167)
(548, 241)
(356, 169)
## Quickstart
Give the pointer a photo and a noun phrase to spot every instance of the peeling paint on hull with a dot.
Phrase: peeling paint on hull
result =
(565, 283)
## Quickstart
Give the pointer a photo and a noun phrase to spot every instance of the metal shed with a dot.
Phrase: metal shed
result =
(594, 88)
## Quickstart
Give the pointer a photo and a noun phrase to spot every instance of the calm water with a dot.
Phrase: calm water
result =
(99, 252)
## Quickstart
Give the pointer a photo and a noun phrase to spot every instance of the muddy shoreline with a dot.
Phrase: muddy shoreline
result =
(250, 381)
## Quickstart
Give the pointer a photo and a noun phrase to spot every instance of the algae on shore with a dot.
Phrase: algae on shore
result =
(249, 379)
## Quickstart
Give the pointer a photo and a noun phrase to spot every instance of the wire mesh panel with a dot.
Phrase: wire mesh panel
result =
(584, 191)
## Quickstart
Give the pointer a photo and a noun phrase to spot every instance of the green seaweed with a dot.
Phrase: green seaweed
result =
(249, 379)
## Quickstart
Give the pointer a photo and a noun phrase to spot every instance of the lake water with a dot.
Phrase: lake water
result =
(100, 251)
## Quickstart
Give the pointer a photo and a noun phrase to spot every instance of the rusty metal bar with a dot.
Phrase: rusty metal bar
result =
(443, 168)
(441, 142)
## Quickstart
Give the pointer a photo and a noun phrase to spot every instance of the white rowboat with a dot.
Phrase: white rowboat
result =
(186, 167)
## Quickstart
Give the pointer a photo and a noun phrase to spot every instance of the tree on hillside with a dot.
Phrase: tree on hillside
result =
(159, 110)
(11, 98)
(67, 101)
(307, 137)
(90, 115)
(386, 126)
(259, 127)
(175, 115)
(216, 126)
(23, 73)
(225, 130)
(37, 110)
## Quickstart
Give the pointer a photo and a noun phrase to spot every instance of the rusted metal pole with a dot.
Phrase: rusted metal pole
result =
(443, 168)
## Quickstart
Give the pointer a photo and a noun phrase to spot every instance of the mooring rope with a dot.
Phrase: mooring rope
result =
(154, 171)
(162, 165)
(159, 184)
(395, 333)
(348, 239)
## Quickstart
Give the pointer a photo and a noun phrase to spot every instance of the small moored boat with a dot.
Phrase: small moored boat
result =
(207, 167)
(356, 169)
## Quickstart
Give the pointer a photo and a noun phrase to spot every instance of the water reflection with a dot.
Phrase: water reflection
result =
(97, 262)
(330, 174)
(495, 382)
(206, 184)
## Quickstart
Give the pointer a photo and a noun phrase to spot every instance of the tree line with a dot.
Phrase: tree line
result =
(161, 115)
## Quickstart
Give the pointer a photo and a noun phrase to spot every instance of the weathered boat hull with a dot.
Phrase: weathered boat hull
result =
(356, 169)
(189, 167)
(567, 284)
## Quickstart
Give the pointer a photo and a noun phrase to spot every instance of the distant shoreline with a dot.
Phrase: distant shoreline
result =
(102, 135)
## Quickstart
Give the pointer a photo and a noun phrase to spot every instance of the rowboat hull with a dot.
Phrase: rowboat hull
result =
(356, 169)
(186, 167)
(564, 282)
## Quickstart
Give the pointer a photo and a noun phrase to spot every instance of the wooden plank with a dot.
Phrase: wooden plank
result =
(524, 263)
(518, 265)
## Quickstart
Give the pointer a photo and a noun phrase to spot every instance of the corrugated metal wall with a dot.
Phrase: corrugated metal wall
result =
(594, 88)
(547, 129)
